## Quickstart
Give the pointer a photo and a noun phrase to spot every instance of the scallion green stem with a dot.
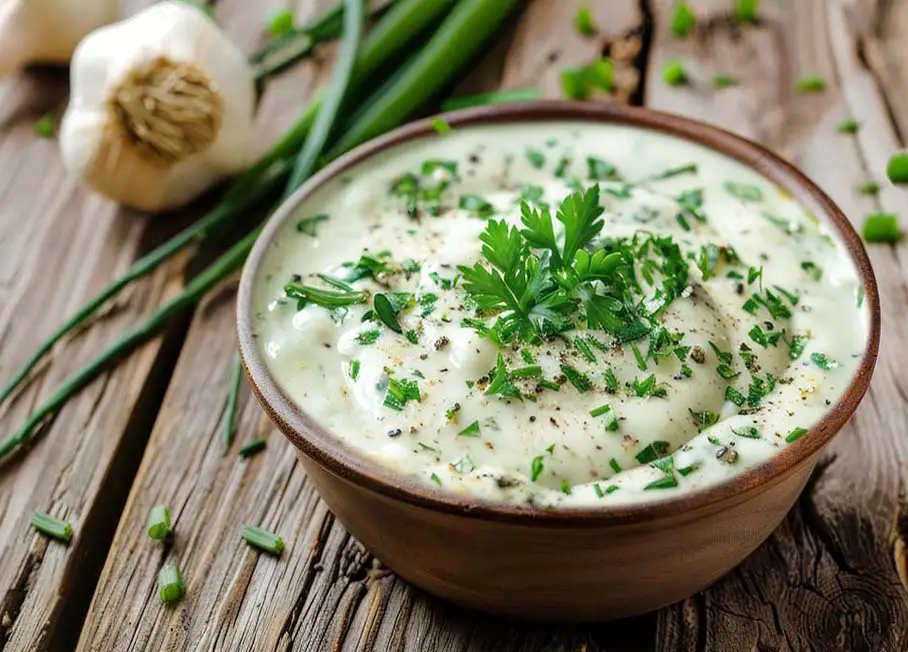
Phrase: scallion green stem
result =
(52, 527)
(253, 448)
(171, 587)
(236, 379)
(263, 540)
(159, 522)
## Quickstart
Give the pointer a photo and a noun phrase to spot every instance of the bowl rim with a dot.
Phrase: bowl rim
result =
(330, 452)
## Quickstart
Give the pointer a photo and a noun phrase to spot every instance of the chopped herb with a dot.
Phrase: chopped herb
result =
(171, 587)
(426, 447)
(550, 449)
(823, 361)
(412, 336)
(52, 527)
(811, 84)
(641, 362)
(724, 81)
(158, 522)
(796, 346)
(795, 434)
(536, 467)
(44, 126)
(687, 470)
(599, 169)
(759, 388)
(471, 430)
(305, 294)
(280, 22)
(616, 467)
(746, 10)
(612, 488)
(500, 384)
(464, 465)
(310, 224)
(583, 21)
(688, 198)
(704, 419)
(577, 82)
(598, 490)
(727, 372)
(793, 298)
(576, 378)
(253, 448)
(434, 478)
(724, 356)
(477, 205)
(400, 392)
(530, 371)
(611, 381)
(451, 412)
(859, 296)
(673, 73)
(665, 482)
(527, 356)
(743, 191)
(881, 227)
(757, 335)
(427, 303)
(263, 540)
(869, 188)
(565, 488)
(368, 337)
(848, 126)
(683, 19)
(549, 384)
(561, 169)
(748, 432)
(441, 126)
(386, 312)
(599, 411)
(648, 387)
(652, 452)
(535, 157)
(814, 270)
(897, 168)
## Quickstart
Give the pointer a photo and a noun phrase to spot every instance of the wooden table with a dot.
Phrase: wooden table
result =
(148, 431)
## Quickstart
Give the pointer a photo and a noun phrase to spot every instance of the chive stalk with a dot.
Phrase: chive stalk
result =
(52, 527)
(253, 448)
(159, 522)
(171, 587)
(263, 540)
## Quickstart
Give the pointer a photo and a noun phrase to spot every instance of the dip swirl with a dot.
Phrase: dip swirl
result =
(559, 315)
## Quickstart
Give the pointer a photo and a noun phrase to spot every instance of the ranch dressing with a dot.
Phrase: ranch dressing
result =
(762, 331)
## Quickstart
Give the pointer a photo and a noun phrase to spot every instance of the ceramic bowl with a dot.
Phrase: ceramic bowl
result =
(569, 564)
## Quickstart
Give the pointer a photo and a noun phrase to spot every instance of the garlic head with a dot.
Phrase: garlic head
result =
(47, 31)
(161, 108)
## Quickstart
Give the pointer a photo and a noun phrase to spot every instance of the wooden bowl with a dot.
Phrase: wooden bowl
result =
(569, 564)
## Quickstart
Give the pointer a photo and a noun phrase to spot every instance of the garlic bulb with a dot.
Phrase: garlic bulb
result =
(161, 108)
(47, 31)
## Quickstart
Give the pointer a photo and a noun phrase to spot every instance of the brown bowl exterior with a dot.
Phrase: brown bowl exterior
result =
(567, 564)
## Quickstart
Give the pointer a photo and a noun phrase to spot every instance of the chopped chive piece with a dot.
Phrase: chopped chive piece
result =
(441, 126)
(797, 346)
(401, 392)
(253, 448)
(583, 21)
(849, 126)
(811, 84)
(881, 227)
(577, 379)
(280, 22)
(673, 73)
(746, 10)
(869, 188)
(616, 467)
(368, 337)
(795, 434)
(527, 356)
(549, 384)
(530, 371)
(471, 430)
(598, 490)
(536, 467)
(726, 372)
(159, 522)
(263, 540)
(612, 488)
(386, 313)
(52, 527)
(653, 452)
(599, 169)
(331, 299)
(565, 488)
(814, 270)
(170, 584)
(748, 432)
(897, 168)
(665, 482)
(743, 191)
(573, 83)
(704, 419)
(45, 126)
(599, 411)
(687, 470)
(641, 361)
(310, 224)
(504, 96)
(683, 19)
(823, 361)
(535, 157)
(611, 381)
(434, 478)
(724, 81)
(577, 82)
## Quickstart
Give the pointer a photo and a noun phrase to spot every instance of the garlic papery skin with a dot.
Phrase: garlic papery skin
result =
(47, 31)
(161, 108)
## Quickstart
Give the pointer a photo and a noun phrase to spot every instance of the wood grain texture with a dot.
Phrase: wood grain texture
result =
(825, 579)
(326, 592)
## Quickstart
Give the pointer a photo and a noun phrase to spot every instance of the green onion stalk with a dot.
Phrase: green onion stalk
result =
(397, 29)
(461, 36)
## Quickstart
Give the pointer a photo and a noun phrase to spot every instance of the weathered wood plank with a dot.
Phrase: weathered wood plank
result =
(326, 592)
(59, 244)
(824, 580)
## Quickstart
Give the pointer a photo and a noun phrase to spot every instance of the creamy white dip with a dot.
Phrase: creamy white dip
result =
(729, 371)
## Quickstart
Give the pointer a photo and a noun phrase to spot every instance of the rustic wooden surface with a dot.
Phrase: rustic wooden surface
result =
(826, 580)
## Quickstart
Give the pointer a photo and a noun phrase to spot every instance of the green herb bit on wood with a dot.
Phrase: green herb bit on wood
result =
(52, 527)
(45, 127)
(263, 540)
(897, 168)
(746, 10)
(673, 73)
(253, 448)
(159, 522)
(583, 21)
(441, 126)
(280, 22)
(683, 19)
(881, 227)
(724, 81)
(578, 82)
(171, 587)
(848, 126)
(869, 188)
(811, 84)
